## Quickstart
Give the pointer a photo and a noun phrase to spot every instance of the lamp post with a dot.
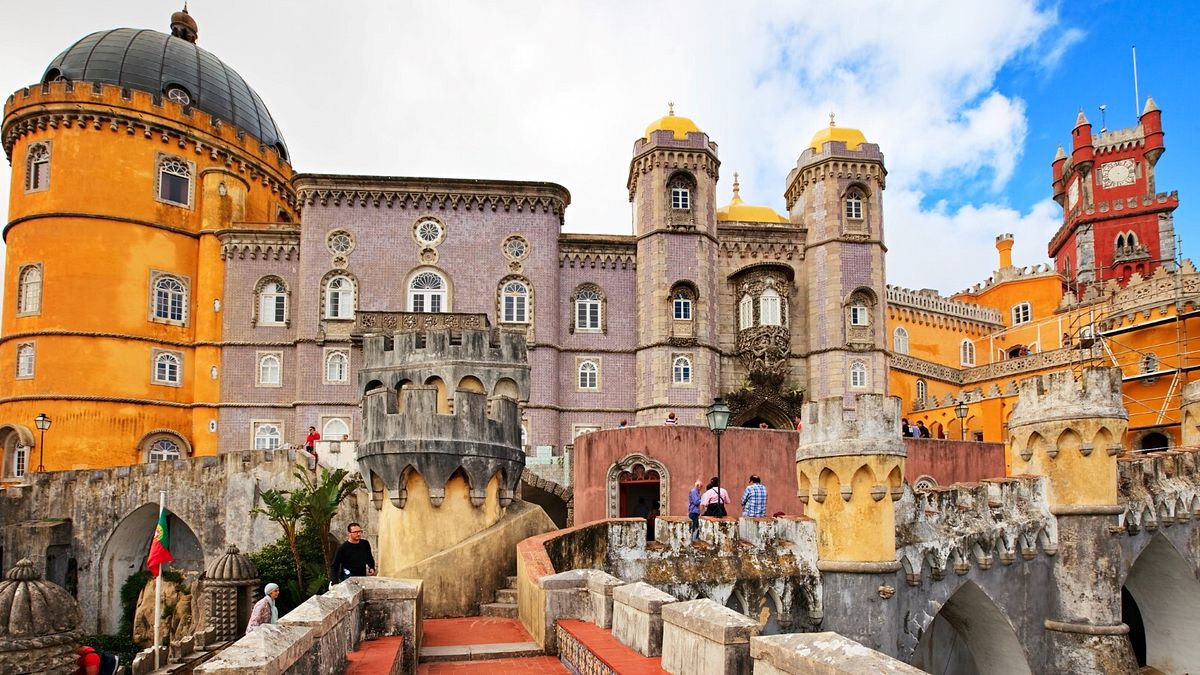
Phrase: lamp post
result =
(961, 411)
(42, 423)
(718, 419)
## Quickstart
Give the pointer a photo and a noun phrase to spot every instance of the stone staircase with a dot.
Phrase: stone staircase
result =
(505, 605)
(477, 639)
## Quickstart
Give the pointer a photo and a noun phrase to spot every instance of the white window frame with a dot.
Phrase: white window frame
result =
(745, 313)
(339, 236)
(20, 461)
(426, 225)
(860, 313)
(514, 302)
(770, 311)
(169, 295)
(26, 360)
(36, 157)
(681, 305)
(860, 376)
(900, 340)
(272, 301)
(681, 198)
(270, 442)
(346, 298)
(166, 356)
(330, 354)
(263, 370)
(966, 353)
(1022, 313)
(327, 435)
(428, 299)
(681, 370)
(589, 306)
(922, 391)
(178, 167)
(29, 290)
(854, 205)
(152, 450)
(582, 380)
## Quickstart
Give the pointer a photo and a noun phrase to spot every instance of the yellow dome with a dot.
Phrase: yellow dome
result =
(678, 126)
(853, 138)
(740, 212)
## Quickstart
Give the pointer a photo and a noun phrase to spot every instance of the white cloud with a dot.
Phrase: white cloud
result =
(560, 91)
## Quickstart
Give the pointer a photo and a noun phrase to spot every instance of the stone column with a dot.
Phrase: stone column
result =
(1070, 431)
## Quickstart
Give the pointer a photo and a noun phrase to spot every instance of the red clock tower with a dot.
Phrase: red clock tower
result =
(1114, 222)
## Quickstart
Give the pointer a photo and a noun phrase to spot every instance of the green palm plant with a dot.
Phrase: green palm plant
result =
(321, 499)
(286, 507)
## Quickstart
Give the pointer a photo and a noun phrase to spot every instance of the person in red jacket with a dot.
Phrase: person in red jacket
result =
(310, 444)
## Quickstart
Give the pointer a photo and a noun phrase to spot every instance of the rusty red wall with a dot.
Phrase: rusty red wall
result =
(688, 453)
(952, 461)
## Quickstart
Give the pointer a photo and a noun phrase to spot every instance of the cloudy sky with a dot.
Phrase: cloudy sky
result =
(968, 100)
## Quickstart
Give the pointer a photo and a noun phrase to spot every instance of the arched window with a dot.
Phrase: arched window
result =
(1131, 240)
(860, 314)
(170, 298)
(588, 309)
(272, 303)
(37, 167)
(25, 360)
(1120, 242)
(29, 290)
(168, 368)
(1022, 313)
(427, 293)
(854, 205)
(174, 180)
(1149, 362)
(681, 194)
(335, 429)
(966, 353)
(162, 450)
(745, 313)
(900, 340)
(337, 366)
(20, 461)
(858, 375)
(515, 301)
(681, 370)
(681, 305)
(270, 370)
(267, 435)
(768, 308)
(339, 298)
(589, 375)
(922, 392)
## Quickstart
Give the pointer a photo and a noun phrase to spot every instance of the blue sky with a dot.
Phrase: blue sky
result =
(967, 100)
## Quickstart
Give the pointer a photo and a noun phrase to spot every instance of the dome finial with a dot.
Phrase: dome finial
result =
(737, 188)
(670, 108)
(183, 26)
(832, 123)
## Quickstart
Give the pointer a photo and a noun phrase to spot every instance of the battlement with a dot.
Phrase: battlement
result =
(476, 418)
(928, 300)
(973, 524)
(110, 107)
(1006, 274)
(1159, 489)
(834, 160)
(1118, 140)
(406, 339)
(872, 427)
(1059, 396)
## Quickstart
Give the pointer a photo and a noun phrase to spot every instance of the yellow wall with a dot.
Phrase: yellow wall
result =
(420, 530)
(852, 526)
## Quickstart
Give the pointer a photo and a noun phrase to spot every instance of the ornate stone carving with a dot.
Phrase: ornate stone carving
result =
(764, 349)
(230, 590)
(402, 322)
(637, 466)
(39, 623)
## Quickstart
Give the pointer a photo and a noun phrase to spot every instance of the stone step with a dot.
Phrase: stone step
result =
(500, 650)
(507, 610)
(512, 582)
(507, 596)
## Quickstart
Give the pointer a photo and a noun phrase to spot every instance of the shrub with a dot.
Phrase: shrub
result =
(120, 645)
(274, 563)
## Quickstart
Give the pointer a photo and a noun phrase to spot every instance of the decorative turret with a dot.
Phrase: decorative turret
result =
(184, 27)
(1151, 120)
(850, 468)
(39, 623)
(1083, 154)
(1004, 245)
(1060, 190)
(229, 588)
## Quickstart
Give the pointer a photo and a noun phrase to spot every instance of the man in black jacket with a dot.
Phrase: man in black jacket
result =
(353, 557)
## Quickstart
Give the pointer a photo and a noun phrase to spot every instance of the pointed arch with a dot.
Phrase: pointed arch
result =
(1165, 597)
(629, 463)
(968, 632)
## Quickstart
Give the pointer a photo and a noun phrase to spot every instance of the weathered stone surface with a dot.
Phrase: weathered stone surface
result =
(637, 617)
(700, 636)
(39, 623)
(391, 607)
(176, 608)
(600, 590)
(711, 621)
(820, 654)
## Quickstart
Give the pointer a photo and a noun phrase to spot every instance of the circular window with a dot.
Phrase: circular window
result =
(179, 95)
(428, 232)
(515, 247)
(925, 483)
(339, 242)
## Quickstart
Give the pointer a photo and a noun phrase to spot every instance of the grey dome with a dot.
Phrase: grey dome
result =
(154, 62)
(232, 567)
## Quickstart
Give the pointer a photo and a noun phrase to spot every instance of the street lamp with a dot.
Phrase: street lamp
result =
(718, 420)
(42, 423)
(961, 411)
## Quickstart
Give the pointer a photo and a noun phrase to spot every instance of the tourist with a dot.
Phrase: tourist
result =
(905, 431)
(671, 419)
(914, 431)
(798, 423)
(92, 662)
(714, 500)
(353, 557)
(764, 425)
(265, 610)
(754, 499)
(922, 430)
(694, 508)
(310, 446)
(622, 424)
(654, 512)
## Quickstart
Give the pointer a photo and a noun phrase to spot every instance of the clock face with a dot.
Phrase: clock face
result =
(1117, 174)
(1073, 194)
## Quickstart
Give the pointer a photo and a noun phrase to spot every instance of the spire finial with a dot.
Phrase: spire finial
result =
(670, 108)
(832, 123)
(737, 187)
(183, 26)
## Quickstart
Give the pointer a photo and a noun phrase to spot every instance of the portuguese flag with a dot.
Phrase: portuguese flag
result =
(160, 546)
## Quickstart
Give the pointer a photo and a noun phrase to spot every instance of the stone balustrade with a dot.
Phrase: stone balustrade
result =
(701, 636)
(637, 617)
(822, 653)
(600, 590)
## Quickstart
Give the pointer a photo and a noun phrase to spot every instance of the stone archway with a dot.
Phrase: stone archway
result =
(124, 554)
(632, 463)
(970, 636)
(1164, 618)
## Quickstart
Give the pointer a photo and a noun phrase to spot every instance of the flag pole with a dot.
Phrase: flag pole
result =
(162, 505)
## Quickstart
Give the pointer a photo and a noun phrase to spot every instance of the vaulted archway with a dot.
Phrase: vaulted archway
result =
(970, 636)
(1162, 608)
